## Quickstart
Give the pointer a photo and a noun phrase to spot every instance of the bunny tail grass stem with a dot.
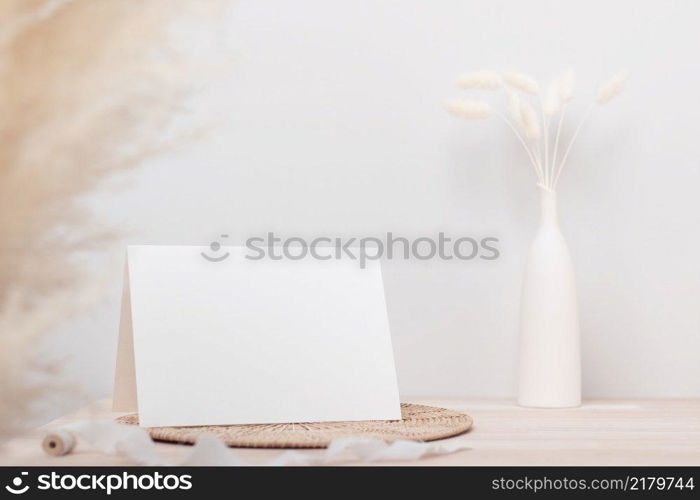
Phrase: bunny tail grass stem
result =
(538, 157)
(556, 140)
(571, 143)
(535, 164)
(545, 129)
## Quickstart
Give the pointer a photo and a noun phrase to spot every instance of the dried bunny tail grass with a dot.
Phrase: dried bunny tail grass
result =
(559, 93)
(474, 110)
(612, 89)
(552, 101)
(530, 123)
(567, 84)
(606, 92)
(522, 82)
(514, 108)
(468, 108)
(528, 126)
(480, 80)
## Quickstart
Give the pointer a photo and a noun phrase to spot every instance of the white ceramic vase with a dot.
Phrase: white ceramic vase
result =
(550, 359)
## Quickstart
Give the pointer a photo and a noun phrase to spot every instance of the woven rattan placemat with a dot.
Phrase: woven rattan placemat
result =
(418, 422)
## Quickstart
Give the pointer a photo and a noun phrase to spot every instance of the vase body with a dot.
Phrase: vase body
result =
(550, 353)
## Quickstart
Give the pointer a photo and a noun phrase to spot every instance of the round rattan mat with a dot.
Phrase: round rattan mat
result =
(418, 422)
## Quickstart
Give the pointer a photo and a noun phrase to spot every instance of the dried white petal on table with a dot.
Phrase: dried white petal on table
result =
(135, 444)
(373, 450)
(370, 450)
(112, 438)
(210, 450)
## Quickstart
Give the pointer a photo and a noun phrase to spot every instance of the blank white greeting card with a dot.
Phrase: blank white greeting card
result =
(233, 340)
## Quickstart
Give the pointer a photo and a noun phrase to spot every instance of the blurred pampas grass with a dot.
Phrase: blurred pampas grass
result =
(87, 89)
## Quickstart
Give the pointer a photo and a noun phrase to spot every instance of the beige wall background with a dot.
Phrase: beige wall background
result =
(332, 124)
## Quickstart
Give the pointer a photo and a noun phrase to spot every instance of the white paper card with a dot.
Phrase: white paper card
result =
(244, 341)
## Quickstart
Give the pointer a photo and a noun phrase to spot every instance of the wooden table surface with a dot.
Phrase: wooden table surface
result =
(600, 432)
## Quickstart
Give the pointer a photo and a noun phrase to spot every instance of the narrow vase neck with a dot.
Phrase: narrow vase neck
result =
(548, 207)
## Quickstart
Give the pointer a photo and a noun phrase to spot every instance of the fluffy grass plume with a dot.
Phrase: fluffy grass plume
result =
(468, 108)
(553, 100)
(87, 88)
(530, 121)
(514, 108)
(480, 80)
(522, 82)
(612, 89)
(567, 85)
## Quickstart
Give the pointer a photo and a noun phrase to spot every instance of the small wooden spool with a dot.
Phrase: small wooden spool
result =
(58, 443)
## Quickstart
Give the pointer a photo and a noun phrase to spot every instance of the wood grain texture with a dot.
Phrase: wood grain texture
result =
(604, 432)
